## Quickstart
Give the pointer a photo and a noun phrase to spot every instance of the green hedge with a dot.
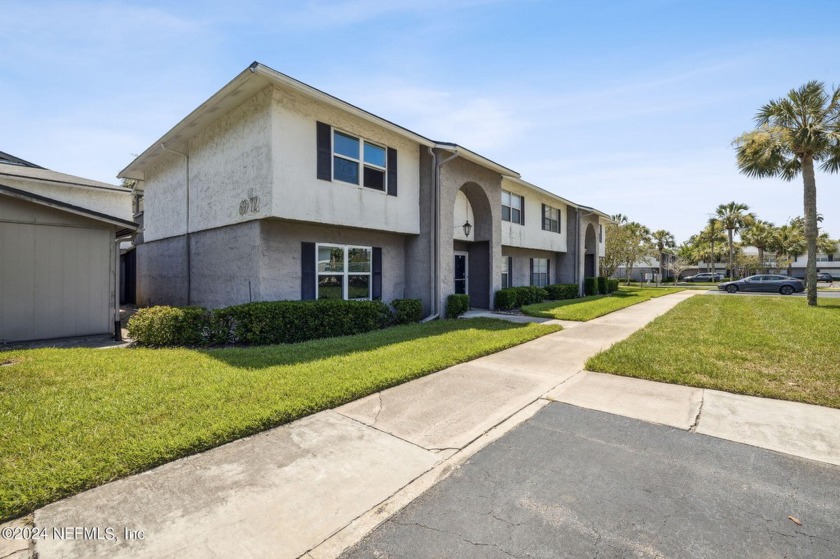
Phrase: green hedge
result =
(590, 286)
(275, 322)
(408, 310)
(456, 305)
(506, 299)
(603, 289)
(560, 291)
(170, 326)
(612, 285)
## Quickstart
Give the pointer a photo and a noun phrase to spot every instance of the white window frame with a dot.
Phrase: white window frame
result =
(511, 208)
(535, 274)
(346, 273)
(506, 272)
(360, 160)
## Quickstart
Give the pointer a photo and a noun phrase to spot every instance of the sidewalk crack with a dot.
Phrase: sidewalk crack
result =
(693, 428)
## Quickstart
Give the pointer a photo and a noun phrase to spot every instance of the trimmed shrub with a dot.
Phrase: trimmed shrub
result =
(668, 280)
(170, 326)
(590, 286)
(408, 310)
(612, 285)
(506, 299)
(602, 285)
(560, 291)
(456, 305)
(288, 322)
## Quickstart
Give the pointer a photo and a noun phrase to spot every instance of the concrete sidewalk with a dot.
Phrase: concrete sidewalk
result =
(316, 486)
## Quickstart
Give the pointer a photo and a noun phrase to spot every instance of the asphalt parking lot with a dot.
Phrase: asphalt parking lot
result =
(576, 483)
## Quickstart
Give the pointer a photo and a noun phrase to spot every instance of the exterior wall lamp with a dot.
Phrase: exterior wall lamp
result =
(467, 228)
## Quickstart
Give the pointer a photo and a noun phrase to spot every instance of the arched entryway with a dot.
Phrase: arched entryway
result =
(590, 264)
(471, 245)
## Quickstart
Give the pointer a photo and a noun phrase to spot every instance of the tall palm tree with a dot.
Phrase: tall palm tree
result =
(792, 133)
(663, 242)
(732, 217)
(760, 234)
(711, 234)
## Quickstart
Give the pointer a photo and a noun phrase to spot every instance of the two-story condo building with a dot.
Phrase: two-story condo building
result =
(272, 189)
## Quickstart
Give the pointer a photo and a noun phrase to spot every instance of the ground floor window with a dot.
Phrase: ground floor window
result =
(539, 272)
(507, 271)
(344, 272)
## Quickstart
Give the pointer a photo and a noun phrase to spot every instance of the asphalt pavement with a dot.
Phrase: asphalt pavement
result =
(572, 482)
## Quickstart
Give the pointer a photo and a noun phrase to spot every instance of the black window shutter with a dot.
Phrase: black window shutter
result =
(532, 272)
(510, 271)
(522, 210)
(543, 218)
(548, 271)
(392, 172)
(559, 220)
(307, 271)
(376, 274)
(324, 151)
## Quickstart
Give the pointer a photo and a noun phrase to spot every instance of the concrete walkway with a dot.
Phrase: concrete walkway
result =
(316, 486)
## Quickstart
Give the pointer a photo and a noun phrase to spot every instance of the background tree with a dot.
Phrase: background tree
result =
(704, 244)
(663, 243)
(788, 243)
(760, 234)
(615, 248)
(637, 245)
(733, 218)
(792, 133)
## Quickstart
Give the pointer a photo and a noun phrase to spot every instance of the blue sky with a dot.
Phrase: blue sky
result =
(628, 106)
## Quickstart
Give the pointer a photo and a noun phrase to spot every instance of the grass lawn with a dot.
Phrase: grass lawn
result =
(775, 347)
(71, 419)
(587, 308)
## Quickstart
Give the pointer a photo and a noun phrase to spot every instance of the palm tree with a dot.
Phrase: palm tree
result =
(789, 242)
(792, 133)
(733, 218)
(760, 234)
(663, 242)
(711, 234)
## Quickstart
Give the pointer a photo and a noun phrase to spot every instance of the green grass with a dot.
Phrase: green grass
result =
(587, 308)
(71, 419)
(774, 347)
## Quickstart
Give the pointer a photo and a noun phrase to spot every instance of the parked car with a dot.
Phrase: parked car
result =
(785, 285)
(825, 276)
(705, 276)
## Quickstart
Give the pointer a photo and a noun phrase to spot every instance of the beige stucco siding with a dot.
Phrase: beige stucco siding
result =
(300, 195)
(56, 277)
(230, 175)
(532, 235)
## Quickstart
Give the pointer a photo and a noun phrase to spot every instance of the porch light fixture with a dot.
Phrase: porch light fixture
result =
(467, 228)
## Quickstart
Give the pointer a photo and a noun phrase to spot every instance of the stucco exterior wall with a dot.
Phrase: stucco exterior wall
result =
(280, 256)
(483, 189)
(230, 175)
(161, 273)
(109, 202)
(419, 263)
(531, 235)
(522, 264)
(300, 195)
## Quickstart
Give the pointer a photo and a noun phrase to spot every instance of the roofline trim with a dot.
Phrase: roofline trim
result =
(70, 183)
(70, 208)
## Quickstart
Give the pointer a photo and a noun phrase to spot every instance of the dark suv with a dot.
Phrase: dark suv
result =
(824, 276)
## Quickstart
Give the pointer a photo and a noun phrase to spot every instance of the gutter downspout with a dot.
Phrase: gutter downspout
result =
(117, 321)
(436, 165)
(187, 233)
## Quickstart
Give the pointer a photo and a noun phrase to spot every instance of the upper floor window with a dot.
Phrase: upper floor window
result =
(512, 208)
(355, 159)
(551, 219)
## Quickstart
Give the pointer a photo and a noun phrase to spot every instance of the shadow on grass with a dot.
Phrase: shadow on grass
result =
(255, 357)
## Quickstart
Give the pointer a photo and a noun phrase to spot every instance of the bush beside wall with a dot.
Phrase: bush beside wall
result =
(275, 322)
(590, 286)
(603, 289)
(560, 291)
(408, 310)
(169, 326)
(456, 305)
(506, 299)
(612, 285)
